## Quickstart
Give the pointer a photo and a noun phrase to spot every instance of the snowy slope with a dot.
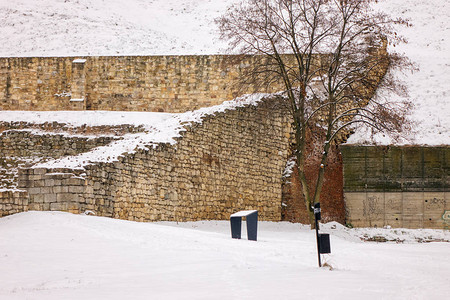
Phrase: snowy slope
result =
(52, 255)
(429, 88)
(108, 27)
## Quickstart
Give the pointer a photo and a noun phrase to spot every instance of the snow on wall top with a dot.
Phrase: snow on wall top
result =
(429, 88)
(159, 128)
(88, 118)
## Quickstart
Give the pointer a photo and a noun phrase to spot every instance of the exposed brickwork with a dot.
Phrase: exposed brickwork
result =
(331, 197)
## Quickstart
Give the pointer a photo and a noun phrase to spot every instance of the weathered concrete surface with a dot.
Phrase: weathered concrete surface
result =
(397, 186)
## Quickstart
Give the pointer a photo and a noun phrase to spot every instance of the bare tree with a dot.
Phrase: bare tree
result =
(330, 56)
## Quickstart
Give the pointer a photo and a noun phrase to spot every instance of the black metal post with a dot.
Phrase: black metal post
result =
(316, 220)
(317, 239)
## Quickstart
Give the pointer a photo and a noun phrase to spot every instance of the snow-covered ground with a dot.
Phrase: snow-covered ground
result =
(52, 255)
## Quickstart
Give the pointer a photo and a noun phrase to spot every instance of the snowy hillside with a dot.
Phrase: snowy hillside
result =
(108, 27)
(429, 88)
(52, 255)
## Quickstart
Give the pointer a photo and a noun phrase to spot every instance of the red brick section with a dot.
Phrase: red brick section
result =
(332, 196)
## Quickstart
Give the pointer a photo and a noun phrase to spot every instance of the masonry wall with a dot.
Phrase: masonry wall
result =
(397, 186)
(25, 143)
(12, 202)
(22, 146)
(138, 83)
(61, 128)
(130, 83)
(232, 161)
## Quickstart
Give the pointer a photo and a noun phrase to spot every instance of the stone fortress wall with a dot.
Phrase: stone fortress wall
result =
(12, 202)
(227, 163)
(29, 143)
(233, 160)
(21, 146)
(121, 83)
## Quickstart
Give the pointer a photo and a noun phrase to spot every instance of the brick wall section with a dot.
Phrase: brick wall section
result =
(397, 186)
(130, 83)
(232, 161)
(332, 194)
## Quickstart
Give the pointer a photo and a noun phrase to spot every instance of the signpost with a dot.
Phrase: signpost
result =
(323, 239)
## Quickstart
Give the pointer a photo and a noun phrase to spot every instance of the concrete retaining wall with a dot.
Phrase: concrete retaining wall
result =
(397, 186)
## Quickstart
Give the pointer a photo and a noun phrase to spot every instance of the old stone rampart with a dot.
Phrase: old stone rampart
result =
(121, 83)
(140, 83)
(12, 202)
(55, 127)
(24, 143)
(232, 160)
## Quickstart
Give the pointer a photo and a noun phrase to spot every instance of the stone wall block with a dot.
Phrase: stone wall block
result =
(59, 206)
(39, 171)
(38, 198)
(76, 189)
(49, 198)
(67, 197)
(60, 189)
(49, 182)
(34, 190)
